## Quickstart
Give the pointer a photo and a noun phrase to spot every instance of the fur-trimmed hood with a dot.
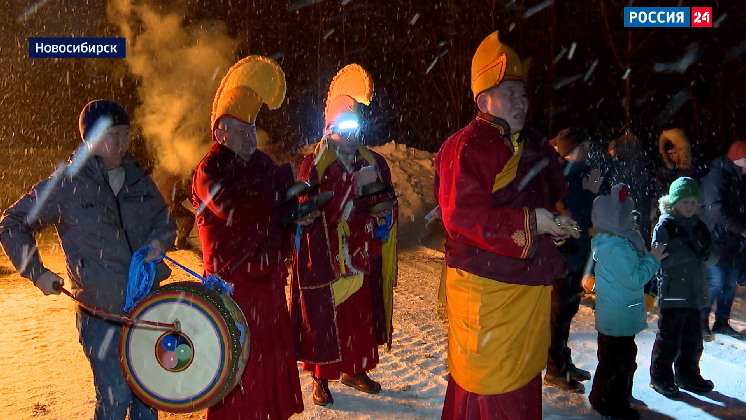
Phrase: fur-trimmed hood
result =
(682, 145)
(664, 205)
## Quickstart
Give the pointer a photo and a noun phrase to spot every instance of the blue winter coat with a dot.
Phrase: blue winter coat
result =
(621, 276)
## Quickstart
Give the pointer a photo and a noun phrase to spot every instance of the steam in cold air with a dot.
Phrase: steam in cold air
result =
(180, 68)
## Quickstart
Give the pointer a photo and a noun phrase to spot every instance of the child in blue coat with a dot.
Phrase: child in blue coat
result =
(622, 270)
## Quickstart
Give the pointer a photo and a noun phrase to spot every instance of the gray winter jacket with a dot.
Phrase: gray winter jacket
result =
(99, 232)
(682, 280)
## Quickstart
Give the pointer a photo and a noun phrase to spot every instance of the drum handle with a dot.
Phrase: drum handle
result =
(123, 319)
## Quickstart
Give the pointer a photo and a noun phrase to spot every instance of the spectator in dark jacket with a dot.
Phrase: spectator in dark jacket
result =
(678, 159)
(104, 208)
(682, 287)
(584, 182)
(724, 200)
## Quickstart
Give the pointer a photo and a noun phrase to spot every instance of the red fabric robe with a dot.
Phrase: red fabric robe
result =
(325, 334)
(493, 234)
(243, 244)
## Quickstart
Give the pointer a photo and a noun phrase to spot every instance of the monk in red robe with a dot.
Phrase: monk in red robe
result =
(497, 183)
(236, 189)
(345, 265)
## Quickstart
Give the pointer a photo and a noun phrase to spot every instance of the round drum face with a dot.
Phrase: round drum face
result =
(178, 371)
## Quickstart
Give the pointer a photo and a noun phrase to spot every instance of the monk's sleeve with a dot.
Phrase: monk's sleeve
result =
(466, 181)
(227, 198)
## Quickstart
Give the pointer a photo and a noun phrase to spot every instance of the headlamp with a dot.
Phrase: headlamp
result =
(348, 125)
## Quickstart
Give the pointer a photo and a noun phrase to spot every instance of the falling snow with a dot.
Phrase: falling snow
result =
(538, 8)
(572, 50)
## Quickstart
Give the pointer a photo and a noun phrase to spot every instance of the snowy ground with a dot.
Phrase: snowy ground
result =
(44, 374)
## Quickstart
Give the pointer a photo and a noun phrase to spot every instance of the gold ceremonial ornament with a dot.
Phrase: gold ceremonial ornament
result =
(571, 228)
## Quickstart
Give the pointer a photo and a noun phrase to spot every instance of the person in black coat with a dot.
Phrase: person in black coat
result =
(583, 182)
(724, 200)
(682, 286)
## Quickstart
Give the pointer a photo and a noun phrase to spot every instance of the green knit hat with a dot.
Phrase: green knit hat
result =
(683, 187)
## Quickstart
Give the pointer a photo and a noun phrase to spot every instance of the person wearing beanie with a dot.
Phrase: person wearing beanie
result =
(104, 207)
(344, 270)
(622, 270)
(724, 211)
(583, 182)
(497, 182)
(237, 190)
(682, 286)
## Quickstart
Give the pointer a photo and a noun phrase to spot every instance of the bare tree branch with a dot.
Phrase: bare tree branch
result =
(650, 35)
(609, 35)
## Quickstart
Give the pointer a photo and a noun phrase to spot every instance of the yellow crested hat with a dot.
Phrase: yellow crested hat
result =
(249, 83)
(495, 62)
(351, 87)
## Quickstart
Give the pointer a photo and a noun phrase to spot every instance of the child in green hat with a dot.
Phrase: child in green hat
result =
(682, 292)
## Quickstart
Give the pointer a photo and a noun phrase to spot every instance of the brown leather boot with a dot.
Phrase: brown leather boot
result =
(361, 382)
(321, 394)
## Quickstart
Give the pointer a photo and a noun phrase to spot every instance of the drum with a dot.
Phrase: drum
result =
(193, 366)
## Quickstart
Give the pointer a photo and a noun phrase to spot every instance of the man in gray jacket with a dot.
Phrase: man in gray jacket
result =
(104, 209)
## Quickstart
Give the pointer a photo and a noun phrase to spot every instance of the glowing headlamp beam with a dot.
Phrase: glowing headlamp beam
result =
(348, 125)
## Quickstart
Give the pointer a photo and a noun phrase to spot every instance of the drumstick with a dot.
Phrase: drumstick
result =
(125, 320)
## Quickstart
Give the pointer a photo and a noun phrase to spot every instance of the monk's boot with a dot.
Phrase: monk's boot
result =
(361, 382)
(321, 394)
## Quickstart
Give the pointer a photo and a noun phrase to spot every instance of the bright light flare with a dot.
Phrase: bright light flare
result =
(348, 125)
(31, 10)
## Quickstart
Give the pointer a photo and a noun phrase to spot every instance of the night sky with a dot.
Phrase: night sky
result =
(419, 54)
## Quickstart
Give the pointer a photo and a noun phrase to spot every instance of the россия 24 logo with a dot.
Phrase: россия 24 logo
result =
(668, 17)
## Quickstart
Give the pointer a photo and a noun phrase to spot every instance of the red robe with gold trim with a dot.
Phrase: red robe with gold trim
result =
(493, 234)
(320, 261)
(243, 244)
(499, 270)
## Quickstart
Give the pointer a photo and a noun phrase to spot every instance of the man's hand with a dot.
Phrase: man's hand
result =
(46, 282)
(366, 175)
(308, 220)
(593, 181)
(156, 250)
(545, 225)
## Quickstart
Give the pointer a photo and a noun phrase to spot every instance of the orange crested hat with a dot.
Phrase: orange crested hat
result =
(249, 83)
(351, 87)
(495, 62)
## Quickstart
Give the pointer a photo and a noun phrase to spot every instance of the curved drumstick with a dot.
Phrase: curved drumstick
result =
(125, 320)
